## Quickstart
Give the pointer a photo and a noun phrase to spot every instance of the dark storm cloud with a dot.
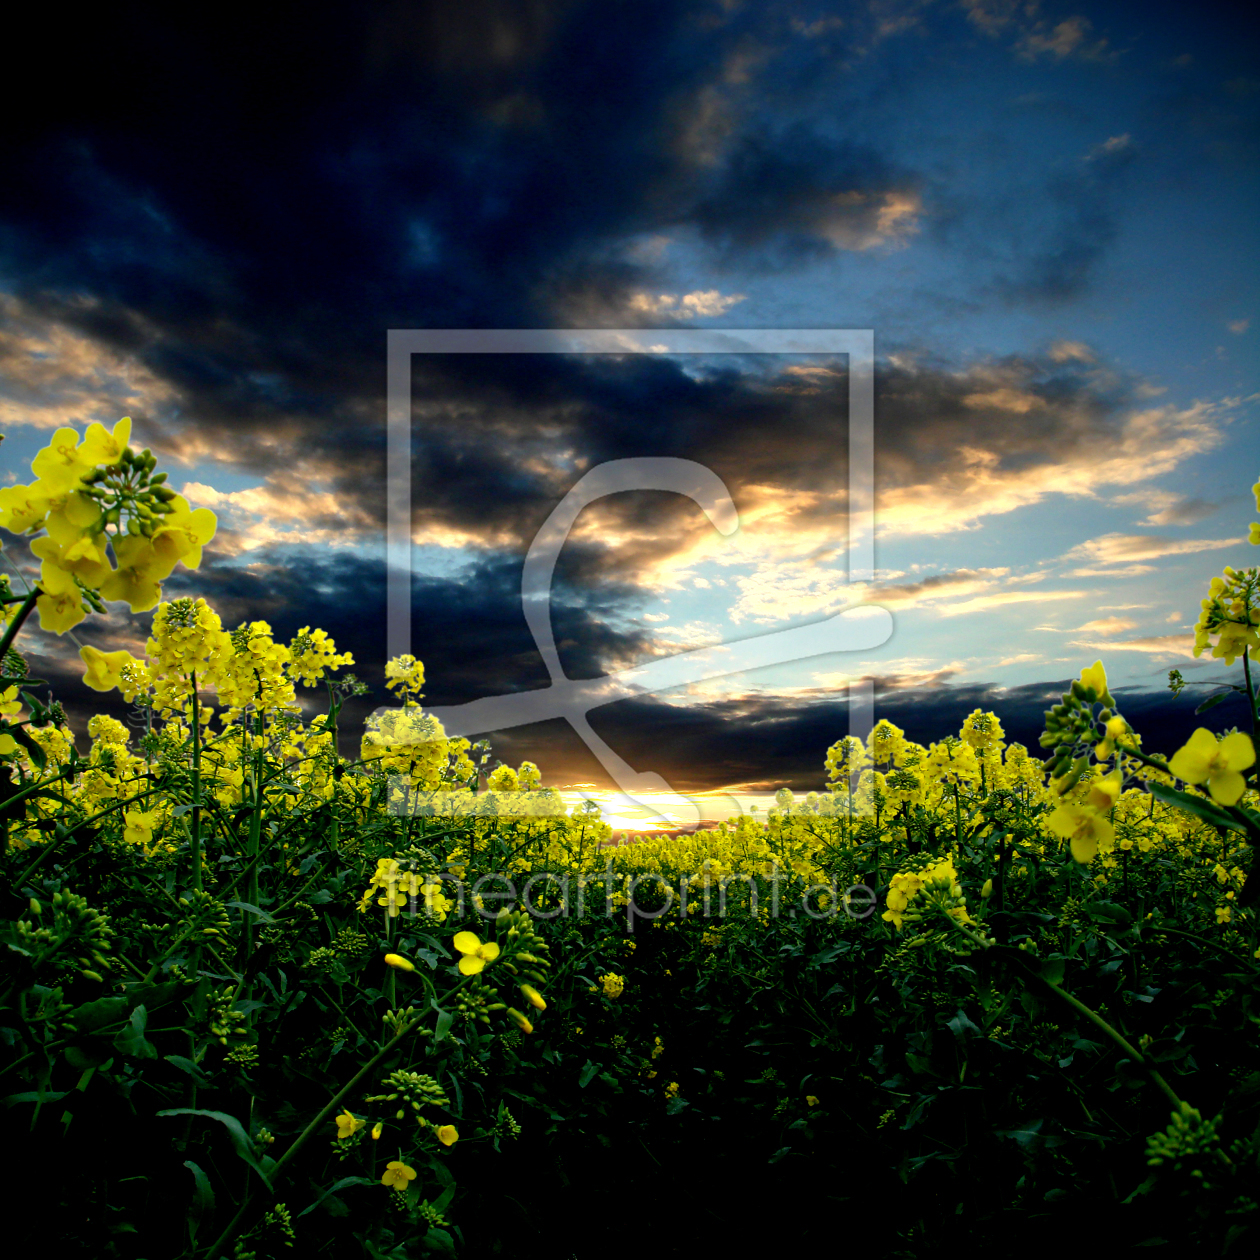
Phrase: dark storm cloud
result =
(469, 630)
(801, 195)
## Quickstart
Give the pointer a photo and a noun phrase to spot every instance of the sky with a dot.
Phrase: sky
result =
(1047, 214)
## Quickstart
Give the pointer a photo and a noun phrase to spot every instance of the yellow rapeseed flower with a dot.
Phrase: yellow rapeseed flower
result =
(140, 825)
(1085, 827)
(23, 508)
(348, 1126)
(447, 1134)
(101, 446)
(1094, 677)
(60, 465)
(475, 954)
(1203, 760)
(398, 1176)
(60, 611)
(104, 669)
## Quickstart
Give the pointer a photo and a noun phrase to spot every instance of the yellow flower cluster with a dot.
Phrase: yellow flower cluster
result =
(93, 495)
(937, 882)
(400, 886)
(1229, 612)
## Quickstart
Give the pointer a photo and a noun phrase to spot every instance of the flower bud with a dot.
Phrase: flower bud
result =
(533, 997)
(520, 1021)
(397, 960)
(35, 907)
(987, 891)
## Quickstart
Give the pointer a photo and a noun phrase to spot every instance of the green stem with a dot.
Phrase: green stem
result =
(320, 1120)
(1131, 1051)
(28, 606)
(1077, 1005)
(26, 792)
(1251, 691)
(195, 835)
(1202, 940)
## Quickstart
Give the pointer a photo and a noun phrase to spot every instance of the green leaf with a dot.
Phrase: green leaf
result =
(93, 1016)
(187, 1065)
(132, 1040)
(1109, 912)
(444, 1021)
(86, 1057)
(202, 1206)
(1200, 807)
(33, 749)
(340, 1185)
(1052, 971)
(961, 1025)
(240, 1139)
(245, 905)
(588, 1073)
(33, 1096)
(1212, 701)
(99, 1014)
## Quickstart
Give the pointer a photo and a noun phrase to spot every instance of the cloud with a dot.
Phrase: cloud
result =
(1082, 430)
(705, 303)
(1108, 625)
(782, 591)
(1128, 570)
(1065, 351)
(1121, 548)
(1238, 326)
(1167, 508)
(1069, 38)
(1000, 599)
(1110, 147)
(52, 373)
(991, 16)
(798, 195)
(1156, 645)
